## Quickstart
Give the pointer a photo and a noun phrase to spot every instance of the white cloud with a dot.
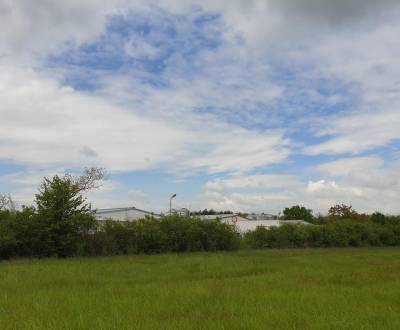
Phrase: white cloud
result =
(338, 56)
(37, 27)
(48, 125)
(238, 151)
(367, 62)
(132, 125)
(365, 172)
(357, 132)
(264, 181)
(367, 183)
(313, 187)
(111, 194)
(250, 193)
(347, 166)
(331, 190)
(44, 124)
(26, 24)
(247, 202)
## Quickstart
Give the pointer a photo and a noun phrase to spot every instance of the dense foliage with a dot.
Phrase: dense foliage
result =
(58, 225)
(62, 224)
(345, 233)
(342, 211)
(168, 234)
(298, 213)
(64, 215)
(27, 234)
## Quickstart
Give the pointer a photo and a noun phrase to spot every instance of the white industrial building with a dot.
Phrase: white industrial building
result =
(123, 214)
(244, 225)
(249, 225)
(228, 218)
(260, 216)
(183, 212)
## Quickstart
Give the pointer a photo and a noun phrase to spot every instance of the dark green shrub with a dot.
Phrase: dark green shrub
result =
(168, 234)
(258, 238)
(378, 217)
(8, 241)
(343, 233)
(298, 212)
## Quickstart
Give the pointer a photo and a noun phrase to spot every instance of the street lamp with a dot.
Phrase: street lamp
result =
(170, 209)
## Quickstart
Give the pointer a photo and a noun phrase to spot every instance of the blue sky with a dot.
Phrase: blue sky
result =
(240, 105)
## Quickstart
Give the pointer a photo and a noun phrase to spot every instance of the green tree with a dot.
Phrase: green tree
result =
(298, 212)
(378, 217)
(8, 241)
(342, 211)
(65, 211)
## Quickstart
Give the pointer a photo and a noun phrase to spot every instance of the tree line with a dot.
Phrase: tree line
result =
(62, 224)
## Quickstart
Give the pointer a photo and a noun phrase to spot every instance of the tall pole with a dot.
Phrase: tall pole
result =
(170, 203)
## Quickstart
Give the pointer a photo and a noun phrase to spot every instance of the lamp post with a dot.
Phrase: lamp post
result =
(170, 201)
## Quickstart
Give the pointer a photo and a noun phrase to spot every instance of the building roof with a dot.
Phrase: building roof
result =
(122, 209)
(294, 222)
(217, 216)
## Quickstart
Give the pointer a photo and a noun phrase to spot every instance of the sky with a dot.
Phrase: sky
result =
(246, 105)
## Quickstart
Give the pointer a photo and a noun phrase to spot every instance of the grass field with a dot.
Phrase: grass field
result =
(274, 289)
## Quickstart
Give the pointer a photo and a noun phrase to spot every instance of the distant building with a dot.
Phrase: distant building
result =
(227, 218)
(123, 214)
(249, 225)
(260, 216)
(242, 224)
(293, 222)
(183, 212)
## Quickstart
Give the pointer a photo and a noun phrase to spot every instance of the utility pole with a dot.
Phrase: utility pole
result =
(170, 203)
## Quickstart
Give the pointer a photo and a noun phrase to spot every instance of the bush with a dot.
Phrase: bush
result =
(298, 212)
(345, 233)
(8, 241)
(28, 234)
(168, 234)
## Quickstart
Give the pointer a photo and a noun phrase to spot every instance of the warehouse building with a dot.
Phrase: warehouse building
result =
(123, 214)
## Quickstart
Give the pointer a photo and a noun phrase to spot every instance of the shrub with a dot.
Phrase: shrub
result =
(168, 234)
(28, 234)
(8, 241)
(298, 213)
(342, 211)
(338, 234)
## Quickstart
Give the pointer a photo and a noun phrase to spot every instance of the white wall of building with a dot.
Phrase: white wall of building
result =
(242, 225)
(249, 225)
(123, 214)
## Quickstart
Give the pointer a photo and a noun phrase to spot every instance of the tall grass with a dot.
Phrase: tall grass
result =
(270, 289)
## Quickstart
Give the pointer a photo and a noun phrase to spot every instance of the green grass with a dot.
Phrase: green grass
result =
(274, 289)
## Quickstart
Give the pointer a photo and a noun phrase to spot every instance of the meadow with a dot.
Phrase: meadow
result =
(348, 288)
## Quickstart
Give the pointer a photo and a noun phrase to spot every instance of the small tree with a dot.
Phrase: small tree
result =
(67, 214)
(298, 212)
(378, 217)
(342, 211)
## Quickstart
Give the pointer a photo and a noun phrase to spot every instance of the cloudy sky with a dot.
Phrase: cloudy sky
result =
(240, 105)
